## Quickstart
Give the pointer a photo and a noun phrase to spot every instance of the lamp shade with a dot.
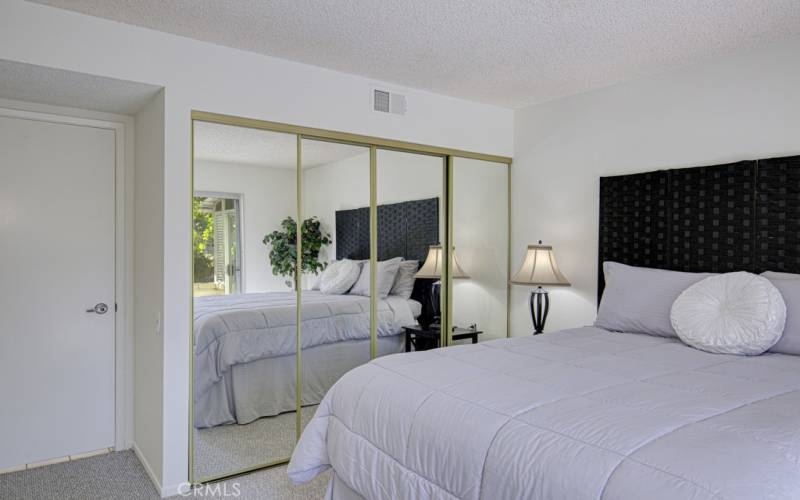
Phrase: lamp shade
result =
(539, 268)
(432, 268)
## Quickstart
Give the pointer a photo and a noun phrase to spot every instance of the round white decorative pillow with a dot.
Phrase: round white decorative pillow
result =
(732, 313)
(339, 277)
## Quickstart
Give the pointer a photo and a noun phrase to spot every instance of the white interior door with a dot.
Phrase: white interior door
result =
(57, 221)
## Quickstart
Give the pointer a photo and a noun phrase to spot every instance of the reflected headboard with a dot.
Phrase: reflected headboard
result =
(405, 230)
(741, 216)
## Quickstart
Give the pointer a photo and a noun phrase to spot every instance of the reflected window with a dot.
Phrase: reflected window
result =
(216, 245)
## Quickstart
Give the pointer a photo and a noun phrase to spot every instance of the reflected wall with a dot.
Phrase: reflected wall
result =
(480, 241)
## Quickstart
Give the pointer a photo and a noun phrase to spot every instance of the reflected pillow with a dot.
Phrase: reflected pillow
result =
(789, 286)
(639, 299)
(339, 277)
(387, 271)
(404, 282)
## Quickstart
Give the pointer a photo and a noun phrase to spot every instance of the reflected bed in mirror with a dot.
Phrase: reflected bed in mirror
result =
(245, 299)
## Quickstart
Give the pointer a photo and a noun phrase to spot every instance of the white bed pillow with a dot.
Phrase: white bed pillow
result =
(387, 271)
(732, 313)
(777, 275)
(789, 286)
(404, 281)
(639, 299)
(339, 277)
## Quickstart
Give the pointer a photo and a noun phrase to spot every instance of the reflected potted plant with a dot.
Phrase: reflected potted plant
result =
(283, 251)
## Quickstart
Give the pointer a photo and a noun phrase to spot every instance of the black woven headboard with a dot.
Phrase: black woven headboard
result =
(405, 230)
(741, 216)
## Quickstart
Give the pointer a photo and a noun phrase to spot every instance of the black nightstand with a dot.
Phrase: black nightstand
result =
(425, 338)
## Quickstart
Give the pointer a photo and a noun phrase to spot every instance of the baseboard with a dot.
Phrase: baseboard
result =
(164, 491)
(175, 489)
(148, 469)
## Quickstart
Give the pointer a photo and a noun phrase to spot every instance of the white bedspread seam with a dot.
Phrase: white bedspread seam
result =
(613, 452)
(526, 409)
(574, 363)
(628, 456)
(413, 419)
(382, 452)
(486, 455)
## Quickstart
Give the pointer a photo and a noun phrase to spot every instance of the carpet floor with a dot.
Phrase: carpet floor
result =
(120, 475)
(227, 448)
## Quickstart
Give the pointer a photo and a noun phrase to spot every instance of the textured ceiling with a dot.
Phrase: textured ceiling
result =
(27, 82)
(505, 52)
(229, 144)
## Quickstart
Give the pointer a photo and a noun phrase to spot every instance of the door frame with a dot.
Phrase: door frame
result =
(122, 126)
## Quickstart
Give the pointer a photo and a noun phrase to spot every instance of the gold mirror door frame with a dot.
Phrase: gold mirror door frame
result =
(447, 248)
(478, 250)
(298, 378)
(373, 252)
(220, 445)
(374, 144)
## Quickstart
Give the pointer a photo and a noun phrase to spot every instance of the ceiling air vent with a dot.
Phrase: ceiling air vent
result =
(387, 102)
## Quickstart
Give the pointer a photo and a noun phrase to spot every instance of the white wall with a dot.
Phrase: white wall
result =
(268, 197)
(206, 77)
(148, 269)
(732, 108)
(406, 176)
(480, 237)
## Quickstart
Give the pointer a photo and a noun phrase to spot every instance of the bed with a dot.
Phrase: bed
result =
(588, 412)
(583, 413)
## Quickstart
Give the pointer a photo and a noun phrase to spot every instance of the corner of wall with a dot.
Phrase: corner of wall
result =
(148, 271)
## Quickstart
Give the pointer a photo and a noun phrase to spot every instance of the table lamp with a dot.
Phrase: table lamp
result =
(539, 268)
(432, 269)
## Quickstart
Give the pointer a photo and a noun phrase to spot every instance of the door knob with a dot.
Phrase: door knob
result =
(99, 309)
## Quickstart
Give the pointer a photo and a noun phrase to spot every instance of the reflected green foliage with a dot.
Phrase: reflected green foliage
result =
(283, 254)
(202, 242)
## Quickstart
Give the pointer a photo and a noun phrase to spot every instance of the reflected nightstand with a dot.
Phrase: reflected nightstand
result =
(423, 339)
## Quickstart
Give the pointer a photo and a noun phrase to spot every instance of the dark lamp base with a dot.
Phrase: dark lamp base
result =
(540, 306)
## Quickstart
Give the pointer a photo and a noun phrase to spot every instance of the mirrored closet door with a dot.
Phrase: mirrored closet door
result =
(480, 250)
(244, 213)
(336, 325)
(411, 229)
(314, 252)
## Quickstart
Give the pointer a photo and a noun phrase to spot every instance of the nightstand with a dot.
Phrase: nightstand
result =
(426, 338)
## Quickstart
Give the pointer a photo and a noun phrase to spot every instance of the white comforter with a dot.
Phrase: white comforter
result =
(576, 414)
(242, 328)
